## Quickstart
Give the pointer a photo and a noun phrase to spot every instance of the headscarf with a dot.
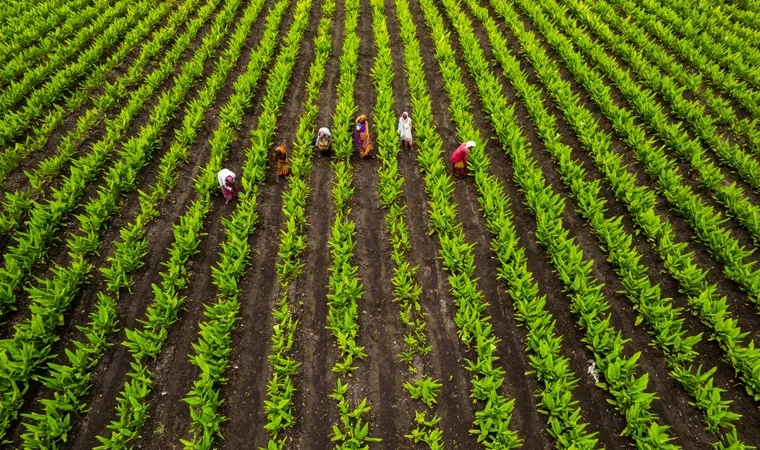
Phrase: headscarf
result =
(361, 119)
(470, 144)
(280, 152)
(223, 175)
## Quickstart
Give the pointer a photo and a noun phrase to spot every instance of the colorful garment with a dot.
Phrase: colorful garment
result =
(226, 180)
(459, 159)
(362, 138)
(281, 156)
(324, 141)
(404, 129)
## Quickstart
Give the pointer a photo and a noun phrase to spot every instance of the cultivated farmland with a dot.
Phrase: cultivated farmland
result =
(593, 283)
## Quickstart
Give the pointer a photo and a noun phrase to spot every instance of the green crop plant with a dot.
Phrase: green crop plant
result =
(725, 81)
(71, 382)
(627, 389)
(280, 389)
(640, 202)
(213, 347)
(657, 311)
(407, 291)
(50, 167)
(492, 423)
(344, 286)
(58, 292)
(731, 196)
(15, 121)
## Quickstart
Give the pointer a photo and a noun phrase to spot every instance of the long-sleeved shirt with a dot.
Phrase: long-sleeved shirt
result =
(460, 154)
(327, 135)
(405, 128)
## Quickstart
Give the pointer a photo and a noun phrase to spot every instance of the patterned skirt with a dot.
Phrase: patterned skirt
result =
(460, 169)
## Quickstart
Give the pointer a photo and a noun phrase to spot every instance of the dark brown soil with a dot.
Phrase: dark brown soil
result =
(380, 375)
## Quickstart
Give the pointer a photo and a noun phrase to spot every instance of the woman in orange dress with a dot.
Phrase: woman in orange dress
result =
(281, 156)
(362, 139)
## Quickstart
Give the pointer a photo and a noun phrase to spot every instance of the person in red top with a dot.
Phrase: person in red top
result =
(459, 159)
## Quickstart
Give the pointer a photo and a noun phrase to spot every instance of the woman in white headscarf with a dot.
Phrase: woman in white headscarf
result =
(405, 129)
(227, 182)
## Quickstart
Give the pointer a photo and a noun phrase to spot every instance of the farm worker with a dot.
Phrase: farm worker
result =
(459, 159)
(362, 138)
(324, 141)
(227, 182)
(405, 129)
(281, 156)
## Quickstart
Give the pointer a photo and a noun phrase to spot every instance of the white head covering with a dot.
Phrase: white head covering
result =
(223, 174)
(470, 144)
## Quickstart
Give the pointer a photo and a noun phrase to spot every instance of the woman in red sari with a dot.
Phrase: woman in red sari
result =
(362, 138)
(459, 159)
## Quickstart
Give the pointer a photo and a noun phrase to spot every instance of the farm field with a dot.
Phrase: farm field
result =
(594, 281)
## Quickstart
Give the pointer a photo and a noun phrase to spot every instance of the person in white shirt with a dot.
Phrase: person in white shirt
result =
(405, 130)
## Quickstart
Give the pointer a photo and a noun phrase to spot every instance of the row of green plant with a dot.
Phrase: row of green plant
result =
(17, 204)
(28, 28)
(212, 350)
(738, 20)
(701, 217)
(628, 390)
(145, 344)
(71, 382)
(690, 112)
(700, 18)
(689, 150)
(406, 289)
(492, 422)
(32, 338)
(19, 89)
(724, 81)
(57, 47)
(721, 109)
(693, 113)
(640, 201)
(280, 389)
(344, 286)
(50, 167)
(664, 320)
(17, 121)
(741, 64)
(15, 10)
(45, 219)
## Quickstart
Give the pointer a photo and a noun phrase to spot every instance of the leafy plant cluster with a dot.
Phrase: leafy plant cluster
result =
(50, 167)
(45, 219)
(742, 64)
(725, 81)
(640, 201)
(71, 382)
(132, 405)
(701, 217)
(664, 320)
(280, 390)
(690, 151)
(17, 204)
(492, 423)
(407, 291)
(58, 46)
(212, 350)
(702, 19)
(587, 301)
(21, 31)
(720, 108)
(32, 338)
(16, 121)
(344, 286)
(740, 21)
